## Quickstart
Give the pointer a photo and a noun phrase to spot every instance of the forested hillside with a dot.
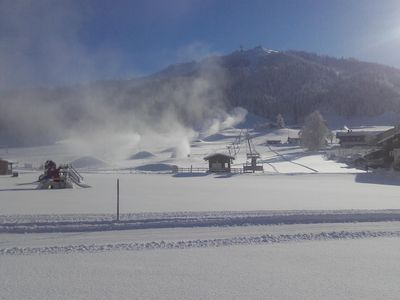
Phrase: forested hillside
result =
(265, 82)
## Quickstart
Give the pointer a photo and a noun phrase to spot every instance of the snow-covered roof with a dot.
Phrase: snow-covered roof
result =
(384, 136)
(355, 133)
(218, 154)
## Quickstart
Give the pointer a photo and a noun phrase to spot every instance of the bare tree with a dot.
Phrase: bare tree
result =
(314, 133)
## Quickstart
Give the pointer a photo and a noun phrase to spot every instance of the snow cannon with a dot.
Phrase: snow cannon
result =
(63, 177)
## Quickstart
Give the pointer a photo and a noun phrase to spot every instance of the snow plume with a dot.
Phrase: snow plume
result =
(182, 149)
(113, 120)
(225, 120)
(113, 123)
(109, 119)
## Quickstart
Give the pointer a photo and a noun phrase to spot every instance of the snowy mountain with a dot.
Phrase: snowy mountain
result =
(263, 81)
(268, 82)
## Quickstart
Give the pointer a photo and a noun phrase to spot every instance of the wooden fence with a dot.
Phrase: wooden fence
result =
(204, 170)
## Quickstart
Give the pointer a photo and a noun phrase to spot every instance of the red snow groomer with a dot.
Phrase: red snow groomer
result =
(53, 177)
(59, 178)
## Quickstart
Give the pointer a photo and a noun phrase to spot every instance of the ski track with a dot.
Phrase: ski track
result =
(288, 160)
(273, 167)
(208, 243)
(106, 222)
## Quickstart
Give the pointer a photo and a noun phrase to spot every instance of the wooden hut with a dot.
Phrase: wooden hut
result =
(5, 167)
(219, 162)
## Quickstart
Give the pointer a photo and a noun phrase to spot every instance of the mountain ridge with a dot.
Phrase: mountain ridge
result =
(263, 81)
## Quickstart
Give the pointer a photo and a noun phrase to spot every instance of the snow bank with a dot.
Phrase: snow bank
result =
(215, 137)
(142, 155)
(155, 168)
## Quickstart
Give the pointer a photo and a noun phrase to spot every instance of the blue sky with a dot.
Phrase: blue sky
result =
(60, 42)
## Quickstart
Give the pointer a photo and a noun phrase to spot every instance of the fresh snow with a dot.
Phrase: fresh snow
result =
(181, 192)
(332, 269)
(306, 228)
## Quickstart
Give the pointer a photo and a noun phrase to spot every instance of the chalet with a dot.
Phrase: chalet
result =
(356, 138)
(389, 142)
(384, 150)
(5, 167)
(219, 162)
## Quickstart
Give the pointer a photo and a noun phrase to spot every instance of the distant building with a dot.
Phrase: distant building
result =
(219, 162)
(5, 167)
(273, 142)
(389, 142)
(384, 150)
(293, 140)
(370, 149)
(356, 138)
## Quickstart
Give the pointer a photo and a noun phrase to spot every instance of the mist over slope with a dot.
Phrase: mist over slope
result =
(185, 98)
(178, 106)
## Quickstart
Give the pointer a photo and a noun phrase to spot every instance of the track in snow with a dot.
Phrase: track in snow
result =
(91, 223)
(207, 243)
(288, 160)
(273, 167)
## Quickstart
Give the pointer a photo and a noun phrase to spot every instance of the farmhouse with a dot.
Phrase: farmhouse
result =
(219, 162)
(5, 167)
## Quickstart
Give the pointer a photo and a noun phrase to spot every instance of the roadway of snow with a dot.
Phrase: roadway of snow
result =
(332, 269)
(107, 222)
(191, 236)
(179, 234)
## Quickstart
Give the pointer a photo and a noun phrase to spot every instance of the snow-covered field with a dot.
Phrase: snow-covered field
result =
(306, 228)
(282, 158)
(169, 193)
(330, 269)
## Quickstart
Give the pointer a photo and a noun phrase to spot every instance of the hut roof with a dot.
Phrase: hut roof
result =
(4, 161)
(218, 154)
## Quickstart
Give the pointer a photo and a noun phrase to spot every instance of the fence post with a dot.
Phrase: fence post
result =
(117, 199)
